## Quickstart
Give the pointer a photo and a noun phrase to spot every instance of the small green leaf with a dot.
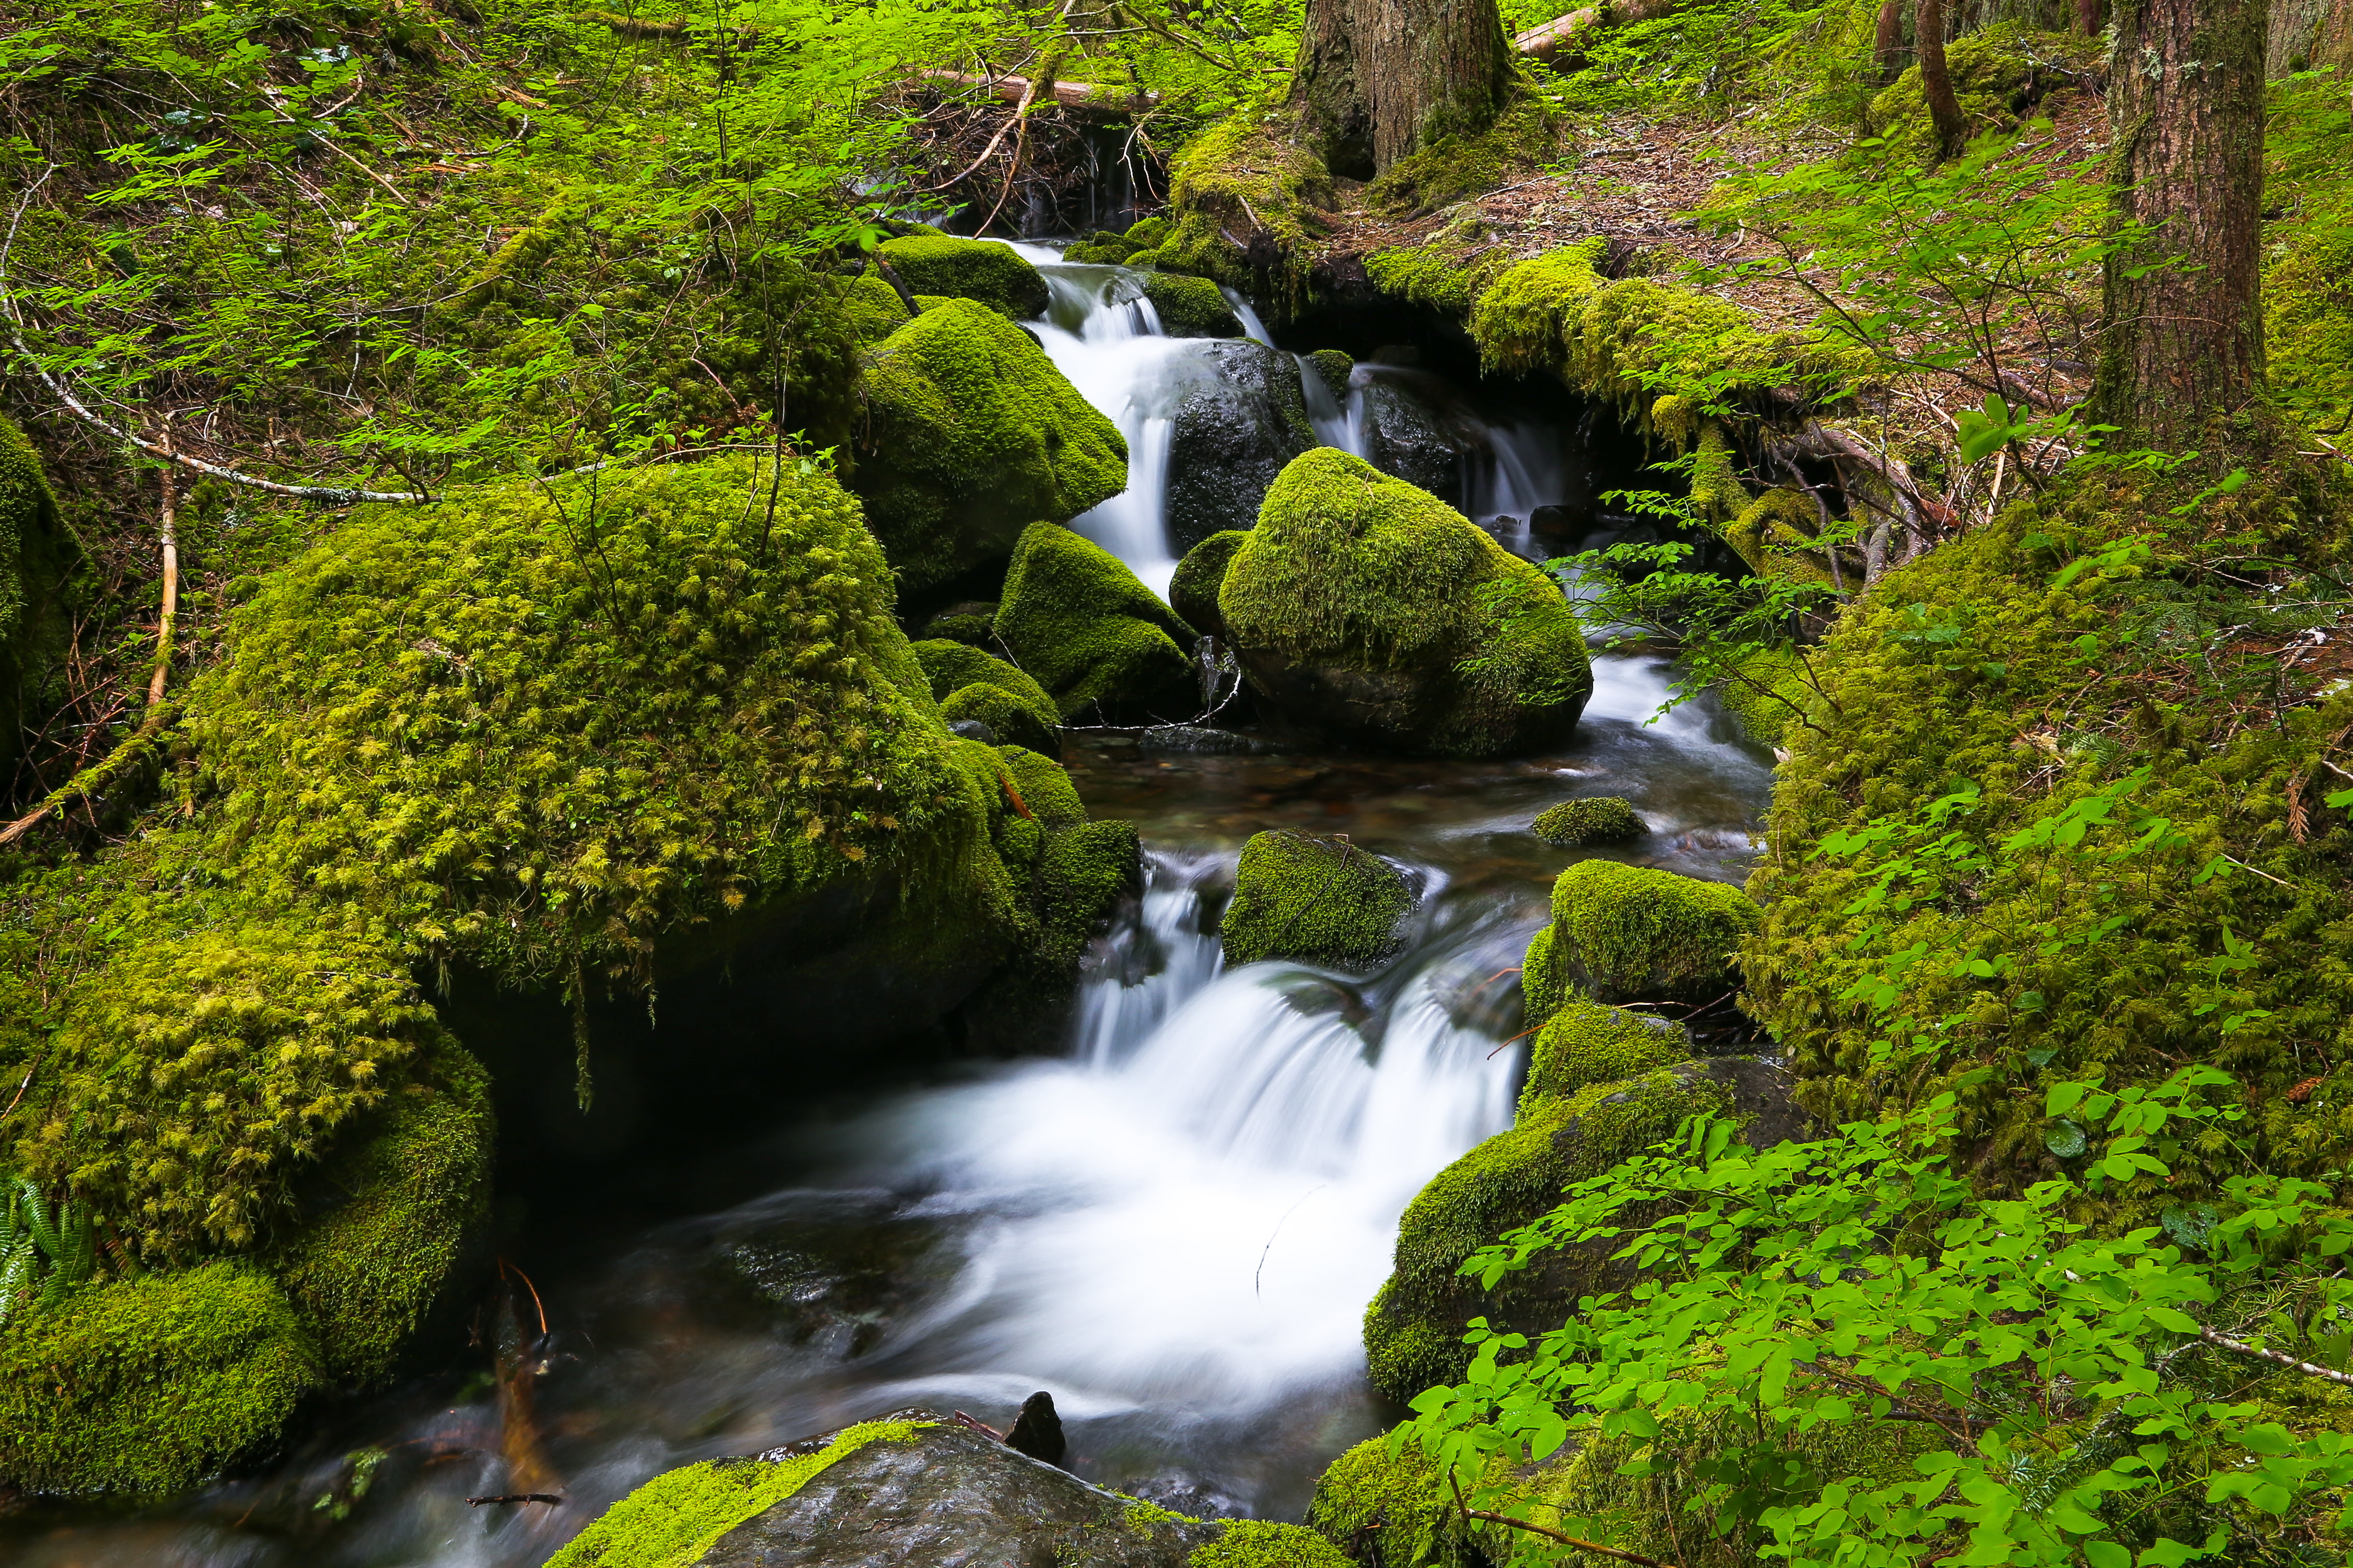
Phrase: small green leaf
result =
(2064, 1138)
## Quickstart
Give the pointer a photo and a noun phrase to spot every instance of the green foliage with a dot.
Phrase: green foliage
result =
(1597, 819)
(2308, 301)
(1631, 932)
(1586, 1043)
(53, 1247)
(1262, 1543)
(1999, 74)
(995, 275)
(872, 309)
(1193, 589)
(150, 1385)
(1088, 631)
(1376, 1492)
(672, 1521)
(1794, 62)
(1435, 276)
(1351, 569)
(1316, 900)
(972, 436)
(1797, 1299)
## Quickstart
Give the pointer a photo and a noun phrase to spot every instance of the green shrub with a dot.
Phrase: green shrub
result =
(1631, 933)
(1316, 900)
(1599, 819)
(1090, 633)
(995, 275)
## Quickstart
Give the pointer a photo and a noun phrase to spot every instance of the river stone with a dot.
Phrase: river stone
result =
(1202, 741)
(1316, 900)
(954, 1498)
(1412, 432)
(1233, 433)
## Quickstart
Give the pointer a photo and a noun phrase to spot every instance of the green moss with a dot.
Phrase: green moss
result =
(1046, 788)
(1317, 900)
(1148, 233)
(1242, 177)
(1599, 819)
(37, 555)
(972, 630)
(1085, 871)
(1402, 1501)
(1542, 984)
(1191, 308)
(1632, 933)
(1444, 278)
(1768, 696)
(995, 275)
(150, 1385)
(953, 666)
(971, 435)
(1586, 1043)
(1262, 1543)
(1717, 492)
(414, 1199)
(1009, 720)
(1193, 589)
(874, 307)
(674, 1518)
(1143, 260)
(2308, 312)
(1102, 247)
(1523, 138)
(1775, 533)
(1334, 367)
(1092, 634)
(1352, 570)
(1999, 74)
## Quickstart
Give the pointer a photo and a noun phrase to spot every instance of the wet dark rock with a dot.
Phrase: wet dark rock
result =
(1181, 1493)
(1038, 1431)
(1233, 433)
(835, 1277)
(973, 730)
(1202, 741)
(954, 1498)
(1413, 432)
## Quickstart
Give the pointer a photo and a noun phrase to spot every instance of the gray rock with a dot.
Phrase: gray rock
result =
(954, 1499)
(1414, 430)
(1233, 433)
(1200, 740)
(973, 730)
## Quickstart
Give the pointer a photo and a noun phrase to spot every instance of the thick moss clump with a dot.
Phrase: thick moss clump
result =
(1241, 177)
(1192, 591)
(1332, 366)
(1586, 1043)
(401, 1210)
(1264, 1543)
(150, 1385)
(1632, 933)
(1435, 276)
(37, 555)
(971, 684)
(1103, 247)
(1402, 1501)
(1526, 136)
(995, 275)
(1768, 695)
(1599, 819)
(674, 1518)
(1318, 900)
(1092, 634)
(1542, 984)
(2308, 311)
(971, 435)
(1192, 307)
(1370, 607)
(873, 308)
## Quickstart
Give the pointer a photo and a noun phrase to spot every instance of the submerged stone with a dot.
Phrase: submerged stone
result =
(1201, 740)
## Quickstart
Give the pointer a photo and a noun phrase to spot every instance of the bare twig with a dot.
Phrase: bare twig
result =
(1622, 1556)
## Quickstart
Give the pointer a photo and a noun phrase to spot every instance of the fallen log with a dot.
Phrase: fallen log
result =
(1552, 38)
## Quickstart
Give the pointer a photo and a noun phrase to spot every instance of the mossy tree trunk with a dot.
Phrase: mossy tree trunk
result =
(2183, 349)
(1380, 79)
(1936, 81)
(1887, 41)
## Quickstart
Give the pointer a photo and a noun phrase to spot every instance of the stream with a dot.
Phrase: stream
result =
(1174, 1226)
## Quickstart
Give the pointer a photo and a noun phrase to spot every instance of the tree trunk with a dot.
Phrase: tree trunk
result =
(2090, 14)
(1887, 42)
(1380, 79)
(2183, 348)
(1936, 82)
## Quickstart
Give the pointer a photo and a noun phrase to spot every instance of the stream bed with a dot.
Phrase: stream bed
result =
(1173, 1225)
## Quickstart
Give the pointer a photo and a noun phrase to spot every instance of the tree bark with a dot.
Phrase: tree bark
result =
(2183, 346)
(1936, 81)
(2090, 14)
(1887, 41)
(1381, 78)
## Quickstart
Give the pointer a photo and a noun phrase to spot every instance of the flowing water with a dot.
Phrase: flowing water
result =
(1173, 1225)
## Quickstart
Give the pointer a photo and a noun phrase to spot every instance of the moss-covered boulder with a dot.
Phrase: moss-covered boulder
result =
(1193, 589)
(1332, 367)
(997, 275)
(1102, 247)
(1192, 307)
(1093, 634)
(37, 555)
(1633, 933)
(1586, 1043)
(1366, 606)
(150, 1385)
(1595, 819)
(1317, 900)
(873, 308)
(970, 684)
(971, 435)
(1999, 74)
(1400, 1500)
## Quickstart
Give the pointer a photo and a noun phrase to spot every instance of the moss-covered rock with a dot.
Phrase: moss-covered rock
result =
(997, 275)
(1999, 74)
(1266, 1543)
(1192, 307)
(1586, 1043)
(970, 684)
(150, 1385)
(1102, 247)
(1767, 694)
(1147, 233)
(874, 307)
(1449, 167)
(1400, 1500)
(1633, 933)
(37, 555)
(1542, 985)
(1362, 604)
(1597, 819)
(1242, 416)
(1334, 366)
(1318, 900)
(1090, 634)
(1193, 589)
(971, 435)
(1243, 177)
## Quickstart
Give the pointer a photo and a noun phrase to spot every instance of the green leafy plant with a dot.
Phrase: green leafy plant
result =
(45, 1251)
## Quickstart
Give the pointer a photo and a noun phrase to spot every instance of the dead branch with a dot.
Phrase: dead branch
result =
(1622, 1556)
(1079, 97)
(170, 583)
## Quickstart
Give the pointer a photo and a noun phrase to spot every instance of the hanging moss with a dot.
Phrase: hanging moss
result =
(1542, 982)
(1191, 308)
(672, 1521)
(1436, 277)
(1598, 819)
(150, 1385)
(1586, 1043)
(997, 275)
(1365, 605)
(971, 435)
(1244, 178)
(1630, 933)
(1316, 900)
(1193, 589)
(1092, 634)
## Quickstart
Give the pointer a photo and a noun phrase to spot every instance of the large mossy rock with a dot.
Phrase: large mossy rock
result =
(1232, 433)
(1314, 901)
(994, 274)
(914, 1488)
(971, 684)
(971, 435)
(1190, 307)
(1366, 606)
(1593, 819)
(150, 1385)
(37, 555)
(1090, 633)
(1633, 933)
